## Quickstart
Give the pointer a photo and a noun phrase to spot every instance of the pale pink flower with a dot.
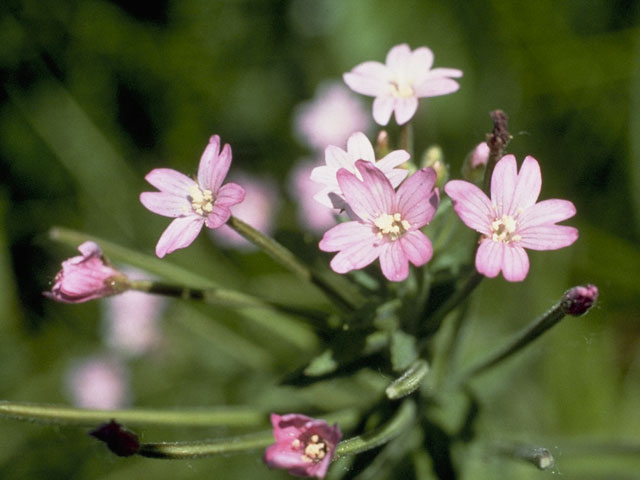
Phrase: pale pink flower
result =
(98, 382)
(358, 148)
(398, 84)
(512, 220)
(193, 203)
(259, 209)
(131, 321)
(304, 446)
(87, 277)
(330, 117)
(303, 189)
(387, 223)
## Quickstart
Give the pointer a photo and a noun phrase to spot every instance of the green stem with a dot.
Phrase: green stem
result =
(220, 296)
(409, 381)
(195, 417)
(398, 424)
(517, 343)
(406, 139)
(186, 450)
(539, 457)
(288, 260)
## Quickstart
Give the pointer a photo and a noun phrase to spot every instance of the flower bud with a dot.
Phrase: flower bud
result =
(87, 277)
(120, 441)
(578, 300)
(434, 157)
(473, 167)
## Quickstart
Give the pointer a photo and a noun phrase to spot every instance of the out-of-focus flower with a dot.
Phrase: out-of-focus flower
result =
(193, 203)
(578, 300)
(398, 84)
(512, 220)
(87, 277)
(330, 117)
(98, 382)
(304, 446)
(259, 209)
(131, 320)
(303, 189)
(387, 223)
(358, 148)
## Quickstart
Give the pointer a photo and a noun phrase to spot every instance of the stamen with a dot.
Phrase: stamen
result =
(201, 200)
(391, 226)
(503, 229)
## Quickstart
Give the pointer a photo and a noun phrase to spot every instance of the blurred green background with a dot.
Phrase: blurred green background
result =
(97, 93)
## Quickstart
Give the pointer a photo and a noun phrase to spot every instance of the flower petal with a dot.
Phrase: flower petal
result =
(180, 233)
(383, 106)
(436, 86)
(171, 181)
(515, 263)
(208, 160)
(420, 64)
(417, 247)
(405, 109)
(345, 234)
(528, 185)
(503, 183)
(471, 204)
(230, 194)
(394, 262)
(218, 217)
(548, 237)
(336, 158)
(446, 72)
(546, 212)
(355, 256)
(368, 198)
(218, 169)
(392, 160)
(489, 258)
(166, 204)
(417, 201)
(368, 78)
(398, 58)
(359, 148)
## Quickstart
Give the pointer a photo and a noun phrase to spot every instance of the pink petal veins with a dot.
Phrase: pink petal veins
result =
(170, 181)
(515, 263)
(471, 204)
(344, 235)
(166, 204)
(417, 247)
(489, 258)
(180, 233)
(548, 237)
(394, 262)
(546, 212)
(503, 183)
(412, 194)
(528, 185)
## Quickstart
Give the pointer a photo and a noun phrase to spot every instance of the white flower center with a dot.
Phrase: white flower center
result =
(503, 229)
(391, 227)
(201, 200)
(315, 449)
(400, 89)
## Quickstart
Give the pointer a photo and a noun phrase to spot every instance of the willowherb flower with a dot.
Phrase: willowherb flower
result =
(98, 382)
(304, 446)
(193, 203)
(131, 320)
(387, 223)
(259, 209)
(512, 220)
(398, 84)
(87, 277)
(303, 189)
(358, 148)
(330, 117)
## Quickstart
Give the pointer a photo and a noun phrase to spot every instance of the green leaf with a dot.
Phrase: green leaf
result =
(403, 350)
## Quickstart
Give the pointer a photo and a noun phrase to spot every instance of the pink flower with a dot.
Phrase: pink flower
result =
(480, 155)
(98, 382)
(131, 320)
(87, 277)
(512, 220)
(387, 223)
(358, 148)
(578, 300)
(330, 117)
(303, 189)
(304, 446)
(192, 203)
(258, 209)
(397, 86)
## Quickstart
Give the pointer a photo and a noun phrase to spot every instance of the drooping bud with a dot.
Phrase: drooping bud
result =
(119, 440)
(578, 300)
(87, 277)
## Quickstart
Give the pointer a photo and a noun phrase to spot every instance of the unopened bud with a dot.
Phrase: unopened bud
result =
(382, 144)
(578, 300)
(119, 440)
(474, 164)
(434, 157)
